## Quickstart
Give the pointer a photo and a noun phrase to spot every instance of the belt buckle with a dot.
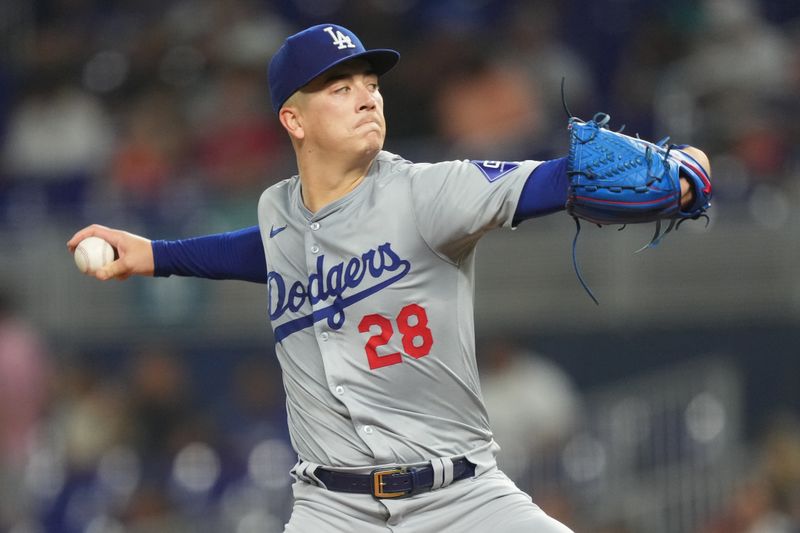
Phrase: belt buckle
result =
(378, 483)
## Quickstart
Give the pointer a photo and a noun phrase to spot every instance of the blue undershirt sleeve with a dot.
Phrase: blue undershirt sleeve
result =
(237, 255)
(544, 192)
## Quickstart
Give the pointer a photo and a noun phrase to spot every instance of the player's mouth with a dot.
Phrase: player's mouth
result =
(369, 122)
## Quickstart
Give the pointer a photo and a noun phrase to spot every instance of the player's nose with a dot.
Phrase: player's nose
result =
(367, 99)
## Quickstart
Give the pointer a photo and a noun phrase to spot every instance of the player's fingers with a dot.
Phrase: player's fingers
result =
(114, 270)
(112, 236)
(88, 231)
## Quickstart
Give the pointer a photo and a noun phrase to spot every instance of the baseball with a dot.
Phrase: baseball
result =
(93, 253)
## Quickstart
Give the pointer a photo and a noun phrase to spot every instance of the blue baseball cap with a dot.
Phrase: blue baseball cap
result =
(309, 53)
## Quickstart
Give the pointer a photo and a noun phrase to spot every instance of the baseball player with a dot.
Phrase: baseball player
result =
(369, 263)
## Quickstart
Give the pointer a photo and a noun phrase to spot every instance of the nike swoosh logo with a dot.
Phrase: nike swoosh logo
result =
(274, 231)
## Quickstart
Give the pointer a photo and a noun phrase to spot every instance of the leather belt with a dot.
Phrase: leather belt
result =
(391, 482)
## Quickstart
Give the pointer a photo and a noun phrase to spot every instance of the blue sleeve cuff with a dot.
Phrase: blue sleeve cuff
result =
(544, 192)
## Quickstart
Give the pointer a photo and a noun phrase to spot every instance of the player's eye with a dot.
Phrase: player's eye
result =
(371, 81)
(342, 90)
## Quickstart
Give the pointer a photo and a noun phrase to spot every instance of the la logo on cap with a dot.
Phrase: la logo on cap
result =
(341, 40)
(307, 54)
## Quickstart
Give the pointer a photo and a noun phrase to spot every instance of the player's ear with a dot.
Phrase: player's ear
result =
(291, 120)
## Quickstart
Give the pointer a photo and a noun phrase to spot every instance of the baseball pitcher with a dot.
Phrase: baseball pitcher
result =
(369, 263)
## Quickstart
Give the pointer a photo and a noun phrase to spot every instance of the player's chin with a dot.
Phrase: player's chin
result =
(373, 143)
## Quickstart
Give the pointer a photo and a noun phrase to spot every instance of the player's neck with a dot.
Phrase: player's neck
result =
(324, 182)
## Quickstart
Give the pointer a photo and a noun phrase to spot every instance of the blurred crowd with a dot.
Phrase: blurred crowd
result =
(136, 440)
(154, 116)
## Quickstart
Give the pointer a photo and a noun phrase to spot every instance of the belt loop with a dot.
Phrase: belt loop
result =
(448, 472)
(311, 473)
(306, 472)
(438, 473)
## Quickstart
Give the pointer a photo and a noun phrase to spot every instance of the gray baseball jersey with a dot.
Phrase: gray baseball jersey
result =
(371, 303)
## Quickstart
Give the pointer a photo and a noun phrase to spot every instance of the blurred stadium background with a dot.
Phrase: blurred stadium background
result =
(156, 405)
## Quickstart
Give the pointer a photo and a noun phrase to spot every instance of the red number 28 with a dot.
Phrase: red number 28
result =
(412, 322)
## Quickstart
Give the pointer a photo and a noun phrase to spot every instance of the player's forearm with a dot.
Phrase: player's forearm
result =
(236, 255)
(544, 192)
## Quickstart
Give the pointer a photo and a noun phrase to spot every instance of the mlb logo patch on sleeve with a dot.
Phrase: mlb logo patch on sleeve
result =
(494, 170)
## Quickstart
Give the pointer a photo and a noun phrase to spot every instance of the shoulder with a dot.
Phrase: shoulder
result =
(388, 164)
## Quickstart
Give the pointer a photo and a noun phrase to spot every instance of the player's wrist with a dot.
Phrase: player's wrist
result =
(687, 193)
(694, 179)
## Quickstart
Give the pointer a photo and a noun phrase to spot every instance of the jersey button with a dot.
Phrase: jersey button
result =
(339, 390)
(323, 336)
(368, 430)
(315, 226)
(314, 249)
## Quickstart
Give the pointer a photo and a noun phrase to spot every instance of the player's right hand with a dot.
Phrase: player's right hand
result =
(133, 254)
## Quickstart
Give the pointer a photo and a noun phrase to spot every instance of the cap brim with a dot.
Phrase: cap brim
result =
(381, 60)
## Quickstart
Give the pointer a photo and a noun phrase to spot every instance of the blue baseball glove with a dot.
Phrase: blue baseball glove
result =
(618, 179)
